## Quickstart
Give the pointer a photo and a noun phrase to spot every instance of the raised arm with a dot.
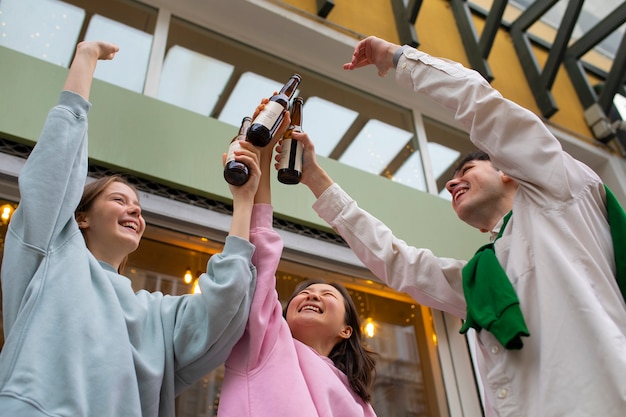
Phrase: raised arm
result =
(516, 139)
(265, 319)
(81, 71)
(52, 180)
(313, 175)
(373, 51)
(243, 195)
(428, 279)
(55, 172)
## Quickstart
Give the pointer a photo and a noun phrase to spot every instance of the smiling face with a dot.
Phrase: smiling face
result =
(316, 316)
(481, 194)
(112, 223)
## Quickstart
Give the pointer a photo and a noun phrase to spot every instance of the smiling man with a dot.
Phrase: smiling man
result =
(542, 295)
(481, 194)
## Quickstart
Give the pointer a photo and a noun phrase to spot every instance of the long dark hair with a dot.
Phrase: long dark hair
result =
(351, 356)
(93, 190)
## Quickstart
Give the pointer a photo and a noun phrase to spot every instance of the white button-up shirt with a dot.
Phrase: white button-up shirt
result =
(556, 250)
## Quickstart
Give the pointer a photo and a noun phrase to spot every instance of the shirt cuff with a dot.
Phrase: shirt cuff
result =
(398, 54)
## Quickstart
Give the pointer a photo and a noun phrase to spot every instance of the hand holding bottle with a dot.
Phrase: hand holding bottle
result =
(313, 175)
(235, 171)
(266, 123)
(290, 165)
(263, 195)
(247, 155)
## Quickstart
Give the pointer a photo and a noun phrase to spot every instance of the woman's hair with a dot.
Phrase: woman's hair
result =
(93, 190)
(350, 355)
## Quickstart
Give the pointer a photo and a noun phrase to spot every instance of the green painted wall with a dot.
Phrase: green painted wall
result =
(183, 149)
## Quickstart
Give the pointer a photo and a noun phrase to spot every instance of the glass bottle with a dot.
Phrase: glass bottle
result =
(267, 121)
(235, 172)
(290, 165)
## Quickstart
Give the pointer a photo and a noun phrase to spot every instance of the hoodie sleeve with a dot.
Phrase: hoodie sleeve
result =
(51, 184)
(52, 180)
(207, 325)
(265, 321)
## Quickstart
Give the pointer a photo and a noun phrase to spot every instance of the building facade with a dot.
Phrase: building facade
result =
(187, 72)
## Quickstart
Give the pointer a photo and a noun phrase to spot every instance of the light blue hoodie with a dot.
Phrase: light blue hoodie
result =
(78, 340)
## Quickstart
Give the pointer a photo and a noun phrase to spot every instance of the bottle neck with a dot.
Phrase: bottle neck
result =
(296, 114)
(245, 125)
(289, 88)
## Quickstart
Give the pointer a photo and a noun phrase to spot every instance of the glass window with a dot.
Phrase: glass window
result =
(44, 29)
(590, 15)
(246, 95)
(411, 173)
(375, 146)
(49, 30)
(192, 80)
(346, 124)
(446, 145)
(327, 122)
(128, 69)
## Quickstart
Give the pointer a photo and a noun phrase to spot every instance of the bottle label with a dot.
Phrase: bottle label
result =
(234, 145)
(270, 114)
(291, 155)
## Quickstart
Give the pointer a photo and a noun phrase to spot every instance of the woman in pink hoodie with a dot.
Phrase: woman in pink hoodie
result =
(311, 361)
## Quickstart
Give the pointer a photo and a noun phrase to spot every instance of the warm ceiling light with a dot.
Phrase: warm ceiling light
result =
(188, 277)
(196, 288)
(370, 328)
(6, 211)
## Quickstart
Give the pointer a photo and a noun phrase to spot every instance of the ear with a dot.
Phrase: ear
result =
(81, 219)
(346, 332)
(505, 178)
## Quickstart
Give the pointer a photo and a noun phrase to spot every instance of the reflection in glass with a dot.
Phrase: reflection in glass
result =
(399, 378)
(128, 69)
(44, 29)
(192, 80)
(442, 157)
(375, 146)
(326, 123)
(246, 95)
(411, 173)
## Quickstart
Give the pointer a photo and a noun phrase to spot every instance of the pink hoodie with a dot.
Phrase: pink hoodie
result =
(269, 373)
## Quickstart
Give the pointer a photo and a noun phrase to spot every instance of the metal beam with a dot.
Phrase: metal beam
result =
(405, 18)
(492, 25)
(324, 7)
(477, 48)
(563, 36)
(532, 70)
(614, 82)
(576, 71)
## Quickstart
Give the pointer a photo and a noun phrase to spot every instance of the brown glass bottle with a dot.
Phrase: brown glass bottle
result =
(290, 166)
(235, 172)
(267, 121)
